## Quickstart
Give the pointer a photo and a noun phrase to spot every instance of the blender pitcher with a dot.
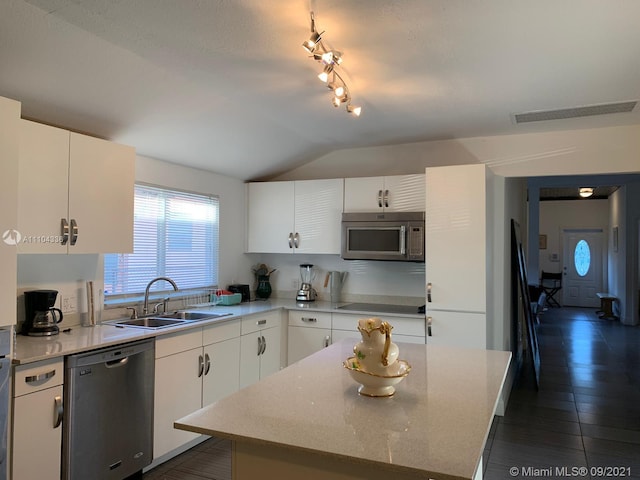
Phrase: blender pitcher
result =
(306, 293)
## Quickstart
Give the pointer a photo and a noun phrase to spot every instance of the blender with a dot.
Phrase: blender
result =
(306, 293)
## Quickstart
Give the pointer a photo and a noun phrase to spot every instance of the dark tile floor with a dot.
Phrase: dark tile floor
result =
(587, 410)
(585, 414)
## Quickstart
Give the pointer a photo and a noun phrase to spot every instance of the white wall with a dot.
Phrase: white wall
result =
(568, 152)
(557, 215)
(617, 259)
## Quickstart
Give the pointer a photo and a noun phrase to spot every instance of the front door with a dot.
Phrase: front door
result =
(582, 269)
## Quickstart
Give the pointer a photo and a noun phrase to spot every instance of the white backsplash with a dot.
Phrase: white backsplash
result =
(366, 281)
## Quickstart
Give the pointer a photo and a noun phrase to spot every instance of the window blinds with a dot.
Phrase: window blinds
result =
(176, 234)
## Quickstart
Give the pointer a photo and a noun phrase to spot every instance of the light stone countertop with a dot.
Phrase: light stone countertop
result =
(435, 426)
(80, 339)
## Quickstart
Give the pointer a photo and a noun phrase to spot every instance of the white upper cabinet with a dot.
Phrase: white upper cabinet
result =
(9, 128)
(297, 216)
(397, 193)
(68, 180)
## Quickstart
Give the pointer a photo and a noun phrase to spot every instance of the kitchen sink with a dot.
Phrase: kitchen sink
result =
(148, 322)
(166, 320)
(192, 316)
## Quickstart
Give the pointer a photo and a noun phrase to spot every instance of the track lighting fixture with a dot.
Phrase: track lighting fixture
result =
(330, 59)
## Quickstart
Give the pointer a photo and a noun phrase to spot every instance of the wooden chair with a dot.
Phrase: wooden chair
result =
(551, 283)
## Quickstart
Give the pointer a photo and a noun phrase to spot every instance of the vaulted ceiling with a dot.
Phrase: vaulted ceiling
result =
(226, 86)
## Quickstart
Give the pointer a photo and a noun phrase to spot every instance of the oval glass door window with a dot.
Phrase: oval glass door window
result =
(582, 258)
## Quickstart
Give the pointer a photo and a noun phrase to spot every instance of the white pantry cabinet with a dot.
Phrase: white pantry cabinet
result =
(295, 216)
(75, 183)
(455, 260)
(308, 332)
(193, 369)
(397, 193)
(9, 144)
(37, 420)
(260, 346)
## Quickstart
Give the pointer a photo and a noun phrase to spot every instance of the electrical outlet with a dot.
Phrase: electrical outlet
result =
(294, 283)
(69, 304)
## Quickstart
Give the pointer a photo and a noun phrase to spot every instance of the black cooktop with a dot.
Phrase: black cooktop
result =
(383, 308)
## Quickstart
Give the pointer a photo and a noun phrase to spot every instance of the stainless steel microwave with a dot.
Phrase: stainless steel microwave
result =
(397, 236)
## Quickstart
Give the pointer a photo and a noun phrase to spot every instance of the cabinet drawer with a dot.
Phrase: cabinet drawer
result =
(37, 376)
(401, 325)
(309, 319)
(178, 342)
(220, 332)
(254, 323)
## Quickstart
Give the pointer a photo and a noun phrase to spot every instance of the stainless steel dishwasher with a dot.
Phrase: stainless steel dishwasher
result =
(108, 421)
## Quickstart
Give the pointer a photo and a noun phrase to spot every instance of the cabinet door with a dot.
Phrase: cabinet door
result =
(458, 329)
(9, 148)
(101, 183)
(303, 341)
(223, 375)
(43, 186)
(363, 194)
(250, 348)
(404, 193)
(34, 433)
(455, 240)
(270, 219)
(318, 215)
(270, 358)
(177, 392)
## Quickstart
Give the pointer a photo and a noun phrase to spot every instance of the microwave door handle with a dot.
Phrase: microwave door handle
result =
(403, 240)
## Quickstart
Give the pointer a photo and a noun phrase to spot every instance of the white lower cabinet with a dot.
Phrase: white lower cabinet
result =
(221, 375)
(457, 329)
(405, 329)
(308, 332)
(193, 369)
(260, 346)
(37, 420)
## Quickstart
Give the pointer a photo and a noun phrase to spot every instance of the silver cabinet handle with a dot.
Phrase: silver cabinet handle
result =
(309, 319)
(200, 366)
(64, 231)
(296, 240)
(57, 411)
(403, 240)
(261, 322)
(429, 292)
(74, 231)
(429, 322)
(380, 198)
(260, 345)
(264, 346)
(386, 198)
(207, 363)
(38, 378)
(327, 339)
(290, 240)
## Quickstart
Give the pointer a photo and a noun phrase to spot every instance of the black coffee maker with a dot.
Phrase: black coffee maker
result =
(41, 318)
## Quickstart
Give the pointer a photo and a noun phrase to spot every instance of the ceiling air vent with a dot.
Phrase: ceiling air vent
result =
(574, 112)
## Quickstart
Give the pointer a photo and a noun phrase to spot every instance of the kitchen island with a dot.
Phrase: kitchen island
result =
(308, 421)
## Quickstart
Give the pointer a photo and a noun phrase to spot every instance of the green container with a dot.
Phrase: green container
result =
(232, 299)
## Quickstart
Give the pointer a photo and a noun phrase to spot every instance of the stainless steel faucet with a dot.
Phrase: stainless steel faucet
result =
(145, 309)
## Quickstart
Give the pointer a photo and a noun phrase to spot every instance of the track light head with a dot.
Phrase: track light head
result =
(354, 110)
